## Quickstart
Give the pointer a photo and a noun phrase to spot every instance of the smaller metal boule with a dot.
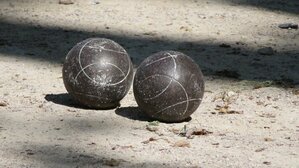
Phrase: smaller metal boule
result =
(168, 86)
(98, 73)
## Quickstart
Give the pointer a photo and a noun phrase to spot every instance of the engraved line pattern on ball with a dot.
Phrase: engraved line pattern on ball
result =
(79, 58)
(186, 94)
(169, 56)
(174, 70)
(158, 94)
(105, 49)
(100, 45)
(109, 84)
(172, 79)
(125, 76)
(157, 60)
(83, 70)
(123, 50)
(173, 58)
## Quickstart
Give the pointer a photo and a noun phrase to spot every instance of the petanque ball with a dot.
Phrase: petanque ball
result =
(98, 73)
(168, 86)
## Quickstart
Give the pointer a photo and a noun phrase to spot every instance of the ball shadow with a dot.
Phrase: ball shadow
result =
(67, 100)
(176, 122)
(133, 113)
(64, 99)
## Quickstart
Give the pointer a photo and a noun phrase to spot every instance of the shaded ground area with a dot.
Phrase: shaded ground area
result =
(291, 6)
(229, 60)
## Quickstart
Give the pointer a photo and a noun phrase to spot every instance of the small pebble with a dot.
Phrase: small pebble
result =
(267, 163)
(66, 2)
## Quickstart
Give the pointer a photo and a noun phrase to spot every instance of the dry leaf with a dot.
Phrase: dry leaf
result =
(112, 162)
(267, 115)
(222, 109)
(92, 143)
(234, 112)
(201, 132)
(184, 28)
(122, 147)
(250, 98)
(295, 91)
(260, 103)
(182, 143)
(149, 140)
(226, 110)
(260, 150)
(196, 131)
(71, 110)
(228, 97)
(190, 132)
(152, 128)
(174, 130)
(150, 33)
(268, 139)
(126, 147)
(266, 163)
(29, 152)
(3, 104)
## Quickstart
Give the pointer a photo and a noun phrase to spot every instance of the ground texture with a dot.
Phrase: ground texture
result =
(249, 116)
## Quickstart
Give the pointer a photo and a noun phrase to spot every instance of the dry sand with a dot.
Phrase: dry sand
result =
(41, 126)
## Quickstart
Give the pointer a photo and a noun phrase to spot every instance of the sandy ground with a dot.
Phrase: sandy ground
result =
(41, 126)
